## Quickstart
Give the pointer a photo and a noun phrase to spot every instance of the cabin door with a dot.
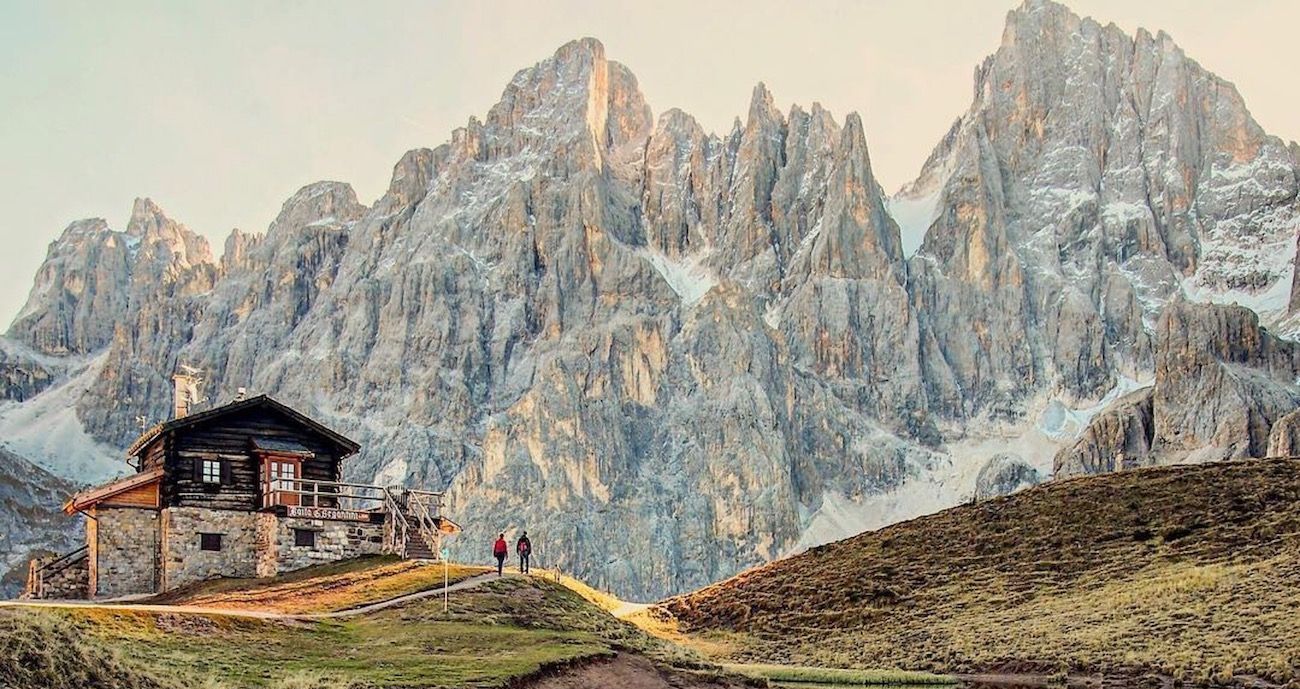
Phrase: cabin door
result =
(283, 475)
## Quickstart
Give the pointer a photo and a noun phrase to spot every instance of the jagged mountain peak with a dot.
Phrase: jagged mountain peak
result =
(87, 227)
(680, 126)
(163, 240)
(145, 216)
(411, 176)
(1125, 126)
(762, 108)
(587, 49)
(92, 275)
(148, 220)
(1095, 176)
(319, 203)
(235, 254)
(1049, 9)
(576, 91)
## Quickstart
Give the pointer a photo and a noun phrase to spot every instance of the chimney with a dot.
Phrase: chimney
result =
(241, 394)
(185, 391)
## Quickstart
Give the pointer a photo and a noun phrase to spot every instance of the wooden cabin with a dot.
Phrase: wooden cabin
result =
(250, 488)
(234, 456)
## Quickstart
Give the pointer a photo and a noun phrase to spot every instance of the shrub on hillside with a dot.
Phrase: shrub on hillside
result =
(45, 652)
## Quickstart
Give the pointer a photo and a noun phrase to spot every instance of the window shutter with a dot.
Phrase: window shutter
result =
(198, 470)
(226, 478)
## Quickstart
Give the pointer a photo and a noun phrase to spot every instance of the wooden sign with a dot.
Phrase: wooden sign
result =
(330, 513)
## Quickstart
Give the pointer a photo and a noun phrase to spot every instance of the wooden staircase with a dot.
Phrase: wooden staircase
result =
(418, 546)
(418, 526)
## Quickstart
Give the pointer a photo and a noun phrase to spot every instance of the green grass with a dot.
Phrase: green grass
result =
(491, 636)
(385, 651)
(536, 603)
(39, 649)
(837, 676)
(322, 588)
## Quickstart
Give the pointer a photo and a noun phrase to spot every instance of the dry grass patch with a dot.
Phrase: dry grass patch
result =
(487, 640)
(42, 650)
(493, 635)
(1189, 572)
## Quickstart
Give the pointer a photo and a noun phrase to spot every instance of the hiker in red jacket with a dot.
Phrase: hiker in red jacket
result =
(499, 551)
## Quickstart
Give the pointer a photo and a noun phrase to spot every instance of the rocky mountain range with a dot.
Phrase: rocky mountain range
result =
(672, 354)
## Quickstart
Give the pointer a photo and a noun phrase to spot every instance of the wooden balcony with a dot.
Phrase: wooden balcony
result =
(300, 494)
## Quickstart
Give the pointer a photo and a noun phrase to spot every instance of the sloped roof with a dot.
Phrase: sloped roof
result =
(281, 445)
(346, 445)
(91, 496)
(446, 525)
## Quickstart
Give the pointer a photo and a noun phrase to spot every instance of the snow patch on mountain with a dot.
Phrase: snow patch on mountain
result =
(394, 472)
(914, 214)
(946, 482)
(1271, 302)
(1061, 422)
(772, 314)
(689, 276)
(46, 429)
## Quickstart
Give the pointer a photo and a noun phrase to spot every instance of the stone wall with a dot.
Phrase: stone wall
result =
(335, 540)
(123, 551)
(72, 581)
(184, 562)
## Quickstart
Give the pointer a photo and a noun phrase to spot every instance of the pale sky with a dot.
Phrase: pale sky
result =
(219, 111)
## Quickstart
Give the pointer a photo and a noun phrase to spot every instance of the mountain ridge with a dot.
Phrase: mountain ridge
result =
(582, 319)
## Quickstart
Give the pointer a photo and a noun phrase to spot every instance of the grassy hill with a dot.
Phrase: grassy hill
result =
(518, 632)
(1184, 572)
(1189, 572)
(323, 588)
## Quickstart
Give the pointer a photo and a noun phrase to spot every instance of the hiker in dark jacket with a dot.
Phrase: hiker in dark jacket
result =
(525, 548)
(499, 551)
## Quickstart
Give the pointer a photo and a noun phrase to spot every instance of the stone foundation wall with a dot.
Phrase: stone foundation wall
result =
(123, 556)
(335, 540)
(184, 562)
(133, 551)
(71, 582)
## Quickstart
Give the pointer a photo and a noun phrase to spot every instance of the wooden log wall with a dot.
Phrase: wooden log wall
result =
(229, 439)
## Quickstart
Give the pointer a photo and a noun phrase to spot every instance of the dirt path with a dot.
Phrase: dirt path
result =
(256, 614)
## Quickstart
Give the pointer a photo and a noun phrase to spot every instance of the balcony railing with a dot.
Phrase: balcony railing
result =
(415, 525)
(296, 492)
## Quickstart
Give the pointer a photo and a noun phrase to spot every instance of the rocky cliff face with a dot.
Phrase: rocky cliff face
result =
(31, 520)
(1117, 439)
(671, 354)
(1005, 474)
(1225, 388)
(1095, 176)
(93, 278)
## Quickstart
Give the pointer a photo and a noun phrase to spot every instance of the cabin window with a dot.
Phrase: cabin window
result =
(304, 538)
(211, 472)
(209, 541)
